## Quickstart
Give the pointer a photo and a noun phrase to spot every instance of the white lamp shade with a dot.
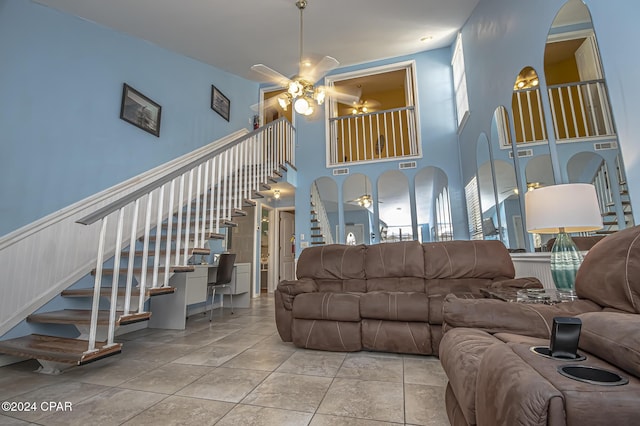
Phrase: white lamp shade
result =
(573, 207)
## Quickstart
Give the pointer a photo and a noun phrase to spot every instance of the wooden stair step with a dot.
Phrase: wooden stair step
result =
(283, 167)
(317, 242)
(106, 291)
(163, 252)
(314, 221)
(606, 232)
(277, 173)
(83, 317)
(234, 213)
(57, 349)
(315, 228)
(161, 269)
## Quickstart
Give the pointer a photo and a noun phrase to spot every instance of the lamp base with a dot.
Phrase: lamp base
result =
(565, 261)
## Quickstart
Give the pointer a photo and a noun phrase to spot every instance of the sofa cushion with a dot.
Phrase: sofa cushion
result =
(613, 337)
(467, 259)
(402, 259)
(332, 262)
(436, 290)
(396, 336)
(327, 306)
(461, 351)
(407, 284)
(610, 272)
(395, 306)
(327, 335)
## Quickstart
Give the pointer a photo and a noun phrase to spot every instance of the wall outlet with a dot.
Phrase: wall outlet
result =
(301, 236)
(304, 244)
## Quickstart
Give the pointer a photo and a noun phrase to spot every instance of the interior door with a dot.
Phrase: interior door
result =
(287, 246)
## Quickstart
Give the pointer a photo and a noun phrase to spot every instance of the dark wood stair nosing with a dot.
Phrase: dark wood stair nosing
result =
(58, 349)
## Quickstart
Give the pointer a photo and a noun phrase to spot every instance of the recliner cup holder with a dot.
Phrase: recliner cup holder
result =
(545, 351)
(592, 375)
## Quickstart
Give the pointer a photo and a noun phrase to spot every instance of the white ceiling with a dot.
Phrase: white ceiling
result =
(233, 35)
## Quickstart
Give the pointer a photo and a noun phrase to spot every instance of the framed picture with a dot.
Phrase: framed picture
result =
(140, 111)
(220, 103)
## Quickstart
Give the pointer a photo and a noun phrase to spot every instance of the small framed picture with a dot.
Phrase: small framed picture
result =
(220, 103)
(140, 111)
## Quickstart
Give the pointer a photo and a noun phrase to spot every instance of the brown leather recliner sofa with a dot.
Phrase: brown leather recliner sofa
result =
(496, 379)
(385, 297)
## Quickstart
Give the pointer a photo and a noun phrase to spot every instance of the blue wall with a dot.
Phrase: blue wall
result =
(502, 36)
(60, 90)
(436, 106)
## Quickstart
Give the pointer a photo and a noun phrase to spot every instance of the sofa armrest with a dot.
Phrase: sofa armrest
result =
(295, 287)
(496, 316)
(525, 282)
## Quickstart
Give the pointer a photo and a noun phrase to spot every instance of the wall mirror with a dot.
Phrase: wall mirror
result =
(357, 202)
(583, 123)
(324, 207)
(432, 205)
(394, 208)
(487, 190)
(508, 208)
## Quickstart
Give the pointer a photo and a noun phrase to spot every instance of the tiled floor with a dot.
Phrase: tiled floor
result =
(232, 371)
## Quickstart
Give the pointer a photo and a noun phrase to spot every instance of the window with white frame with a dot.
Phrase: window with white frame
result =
(474, 216)
(460, 82)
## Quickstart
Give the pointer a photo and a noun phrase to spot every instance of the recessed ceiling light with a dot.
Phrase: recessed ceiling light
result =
(426, 38)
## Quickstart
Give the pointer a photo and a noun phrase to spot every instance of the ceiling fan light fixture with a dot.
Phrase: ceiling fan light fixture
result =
(284, 101)
(301, 105)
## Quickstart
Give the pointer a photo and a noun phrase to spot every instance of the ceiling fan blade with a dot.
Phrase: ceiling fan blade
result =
(343, 95)
(268, 103)
(321, 69)
(271, 75)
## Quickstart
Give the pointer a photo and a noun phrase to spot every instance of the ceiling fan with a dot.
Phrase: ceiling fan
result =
(364, 106)
(301, 91)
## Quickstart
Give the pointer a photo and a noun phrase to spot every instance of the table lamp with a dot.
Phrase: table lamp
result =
(560, 209)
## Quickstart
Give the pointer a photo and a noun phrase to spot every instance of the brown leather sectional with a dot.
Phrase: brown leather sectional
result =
(385, 297)
(496, 379)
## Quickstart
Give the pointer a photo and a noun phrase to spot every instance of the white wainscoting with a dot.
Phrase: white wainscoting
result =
(534, 265)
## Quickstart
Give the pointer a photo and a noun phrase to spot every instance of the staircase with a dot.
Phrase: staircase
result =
(147, 235)
(616, 211)
(320, 226)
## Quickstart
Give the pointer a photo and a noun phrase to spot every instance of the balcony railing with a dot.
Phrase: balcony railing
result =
(581, 110)
(381, 135)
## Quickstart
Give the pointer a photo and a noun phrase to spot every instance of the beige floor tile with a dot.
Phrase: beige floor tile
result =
(168, 378)
(224, 384)
(290, 392)
(10, 421)
(364, 399)
(110, 371)
(212, 356)
(154, 351)
(313, 363)
(254, 359)
(249, 415)
(424, 405)
(368, 366)
(63, 392)
(179, 410)
(274, 343)
(112, 407)
(241, 339)
(17, 382)
(424, 371)
(327, 420)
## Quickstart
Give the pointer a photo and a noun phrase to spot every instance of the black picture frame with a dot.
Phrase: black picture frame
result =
(139, 110)
(220, 103)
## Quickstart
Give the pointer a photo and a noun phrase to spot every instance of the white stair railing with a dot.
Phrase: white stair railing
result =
(210, 185)
(321, 213)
